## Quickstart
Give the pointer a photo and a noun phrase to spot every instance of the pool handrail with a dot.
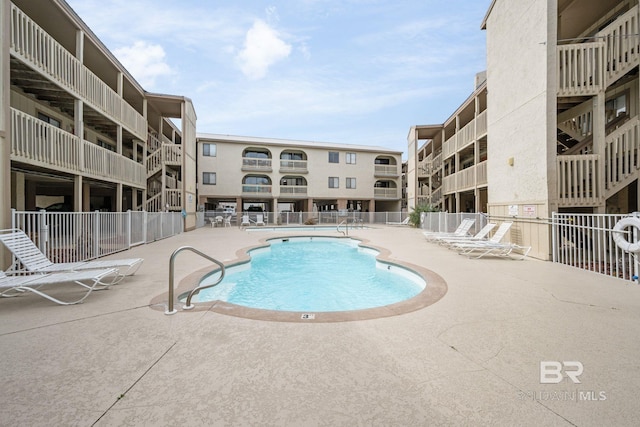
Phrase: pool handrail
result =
(188, 305)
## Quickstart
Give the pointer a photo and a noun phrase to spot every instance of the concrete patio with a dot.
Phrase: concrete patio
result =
(472, 358)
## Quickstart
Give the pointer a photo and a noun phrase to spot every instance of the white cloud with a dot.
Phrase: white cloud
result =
(145, 61)
(263, 47)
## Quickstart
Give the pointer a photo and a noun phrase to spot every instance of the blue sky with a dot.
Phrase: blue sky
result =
(344, 71)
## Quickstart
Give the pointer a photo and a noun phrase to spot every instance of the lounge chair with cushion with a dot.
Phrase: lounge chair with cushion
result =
(34, 261)
(90, 280)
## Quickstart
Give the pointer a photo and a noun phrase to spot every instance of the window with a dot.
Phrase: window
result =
(209, 150)
(351, 183)
(50, 120)
(209, 178)
(106, 145)
(351, 158)
(334, 157)
(334, 182)
(291, 156)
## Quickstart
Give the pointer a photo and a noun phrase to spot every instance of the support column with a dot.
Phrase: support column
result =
(5, 120)
(309, 205)
(599, 123)
(78, 192)
(19, 192)
(119, 194)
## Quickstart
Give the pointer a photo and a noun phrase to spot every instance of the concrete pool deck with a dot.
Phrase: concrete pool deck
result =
(472, 358)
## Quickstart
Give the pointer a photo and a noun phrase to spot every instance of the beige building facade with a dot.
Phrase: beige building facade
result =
(561, 119)
(77, 132)
(288, 175)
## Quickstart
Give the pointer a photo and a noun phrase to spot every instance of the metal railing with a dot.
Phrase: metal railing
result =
(445, 222)
(81, 236)
(585, 241)
(188, 305)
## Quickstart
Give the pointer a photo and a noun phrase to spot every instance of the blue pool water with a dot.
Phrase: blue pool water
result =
(314, 274)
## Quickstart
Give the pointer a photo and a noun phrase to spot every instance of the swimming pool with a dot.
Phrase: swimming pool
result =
(314, 274)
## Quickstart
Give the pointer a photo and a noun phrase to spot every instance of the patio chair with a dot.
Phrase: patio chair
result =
(479, 236)
(90, 280)
(259, 219)
(219, 220)
(462, 230)
(227, 221)
(34, 261)
(245, 222)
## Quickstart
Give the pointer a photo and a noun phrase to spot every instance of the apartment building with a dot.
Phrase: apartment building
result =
(562, 117)
(562, 109)
(300, 176)
(77, 130)
(447, 163)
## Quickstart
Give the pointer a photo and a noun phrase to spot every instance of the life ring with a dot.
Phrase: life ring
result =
(619, 234)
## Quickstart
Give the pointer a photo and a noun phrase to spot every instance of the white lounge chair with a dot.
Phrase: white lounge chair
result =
(227, 221)
(462, 230)
(245, 222)
(34, 261)
(260, 219)
(479, 236)
(493, 246)
(90, 280)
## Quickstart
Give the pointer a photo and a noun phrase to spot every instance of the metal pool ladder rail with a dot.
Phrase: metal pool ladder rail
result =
(188, 305)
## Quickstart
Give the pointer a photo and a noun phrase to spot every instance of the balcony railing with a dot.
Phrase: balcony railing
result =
(481, 173)
(253, 164)
(256, 189)
(35, 47)
(587, 68)
(622, 154)
(481, 124)
(466, 135)
(286, 166)
(385, 193)
(38, 143)
(449, 147)
(293, 190)
(386, 170)
(578, 180)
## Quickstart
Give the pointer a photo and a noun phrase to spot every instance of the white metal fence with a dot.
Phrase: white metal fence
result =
(444, 222)
(302, 218)
(586, 242)
(80, 236)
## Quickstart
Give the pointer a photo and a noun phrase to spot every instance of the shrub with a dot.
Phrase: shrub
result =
(414, 216)
(310, 221)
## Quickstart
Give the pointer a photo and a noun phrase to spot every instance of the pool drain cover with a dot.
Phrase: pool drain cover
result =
(308, 316)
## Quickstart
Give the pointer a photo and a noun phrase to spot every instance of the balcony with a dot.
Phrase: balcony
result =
(291, 166)
(38, 50)
(250, 164)
(469, 178)
(37, 143)
(256, 190)
(293, 191)
(584, 69)
(386, 170)
(385, 193)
